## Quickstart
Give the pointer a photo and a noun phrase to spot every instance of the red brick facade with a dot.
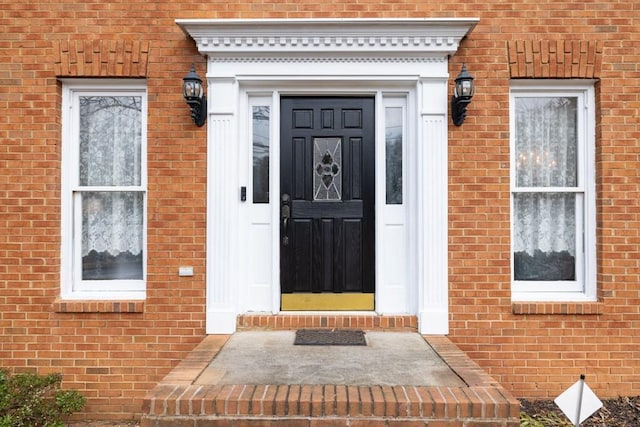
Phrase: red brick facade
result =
(114, 352)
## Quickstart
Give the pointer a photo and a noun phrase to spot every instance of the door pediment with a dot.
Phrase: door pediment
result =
(310, 37)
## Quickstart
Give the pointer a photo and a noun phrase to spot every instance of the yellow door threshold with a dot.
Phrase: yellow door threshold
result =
(327, 301)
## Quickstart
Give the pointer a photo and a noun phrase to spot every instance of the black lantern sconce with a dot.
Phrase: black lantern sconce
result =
(194, 95)
(462, 94)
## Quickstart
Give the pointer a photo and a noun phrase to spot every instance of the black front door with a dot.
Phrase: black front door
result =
(327, 198)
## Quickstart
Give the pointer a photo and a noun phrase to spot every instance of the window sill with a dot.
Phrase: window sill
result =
(531, 307)
(97, 306)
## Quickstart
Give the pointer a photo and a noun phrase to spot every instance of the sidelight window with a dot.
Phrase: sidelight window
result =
(261, 142)
(394, 133)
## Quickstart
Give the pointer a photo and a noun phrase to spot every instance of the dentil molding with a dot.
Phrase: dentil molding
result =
(403, 37)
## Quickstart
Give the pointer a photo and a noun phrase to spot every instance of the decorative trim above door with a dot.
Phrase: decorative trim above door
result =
(312, 36)
(382, 58)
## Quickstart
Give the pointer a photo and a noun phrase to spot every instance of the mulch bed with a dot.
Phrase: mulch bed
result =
(620, 412)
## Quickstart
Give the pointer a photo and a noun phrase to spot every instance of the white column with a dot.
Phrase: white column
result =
(222, 215)
(433, 316)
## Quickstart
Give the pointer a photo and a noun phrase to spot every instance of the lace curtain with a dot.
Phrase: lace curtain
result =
(546, 174)
(110, 156)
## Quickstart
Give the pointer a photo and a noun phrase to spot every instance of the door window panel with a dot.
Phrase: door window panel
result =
(327, 171)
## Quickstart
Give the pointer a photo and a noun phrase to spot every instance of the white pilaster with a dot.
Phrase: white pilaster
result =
(433, 316)
(221, 206)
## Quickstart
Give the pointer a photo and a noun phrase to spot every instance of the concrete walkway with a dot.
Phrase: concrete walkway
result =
(270, 357)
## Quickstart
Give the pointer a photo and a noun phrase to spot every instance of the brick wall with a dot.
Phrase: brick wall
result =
(114, 353)
(537, 350)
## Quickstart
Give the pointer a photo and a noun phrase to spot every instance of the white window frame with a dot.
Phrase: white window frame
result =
(72, 285)
(584, 287)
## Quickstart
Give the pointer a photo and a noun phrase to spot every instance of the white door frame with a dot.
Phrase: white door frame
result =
(336, 56)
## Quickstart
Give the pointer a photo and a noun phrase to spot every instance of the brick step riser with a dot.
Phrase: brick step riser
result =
(323, 422)
(286, 321)
(267, 402)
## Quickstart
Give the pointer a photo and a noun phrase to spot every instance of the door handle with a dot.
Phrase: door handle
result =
(285, 214)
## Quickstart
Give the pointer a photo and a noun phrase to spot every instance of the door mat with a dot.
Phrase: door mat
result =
(330, 337)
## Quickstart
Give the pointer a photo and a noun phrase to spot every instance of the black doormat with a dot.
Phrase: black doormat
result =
(330, 337)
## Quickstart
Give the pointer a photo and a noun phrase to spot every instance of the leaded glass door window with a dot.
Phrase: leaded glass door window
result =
(327, 179)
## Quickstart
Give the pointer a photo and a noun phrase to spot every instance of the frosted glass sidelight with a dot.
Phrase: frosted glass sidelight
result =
(393, 149)
(261, 142)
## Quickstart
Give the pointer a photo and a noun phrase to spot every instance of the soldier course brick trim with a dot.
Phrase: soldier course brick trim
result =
(101, 58)
(534, 59)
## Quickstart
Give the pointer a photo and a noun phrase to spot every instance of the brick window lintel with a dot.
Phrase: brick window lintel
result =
(554, 59)
(100, 58)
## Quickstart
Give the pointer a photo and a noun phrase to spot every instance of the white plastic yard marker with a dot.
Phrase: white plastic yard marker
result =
(578, 402)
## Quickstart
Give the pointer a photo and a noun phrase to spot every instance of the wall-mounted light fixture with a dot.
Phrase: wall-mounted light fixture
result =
(194, 95)
(462, 94)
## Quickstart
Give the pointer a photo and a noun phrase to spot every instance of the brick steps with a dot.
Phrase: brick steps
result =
(177, 401)
(342, 405)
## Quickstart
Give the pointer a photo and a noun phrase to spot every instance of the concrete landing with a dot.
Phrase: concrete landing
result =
(258, 378)
(270, 357)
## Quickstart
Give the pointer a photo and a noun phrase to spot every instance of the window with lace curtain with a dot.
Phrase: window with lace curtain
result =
(552, 186)
(104, 190)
